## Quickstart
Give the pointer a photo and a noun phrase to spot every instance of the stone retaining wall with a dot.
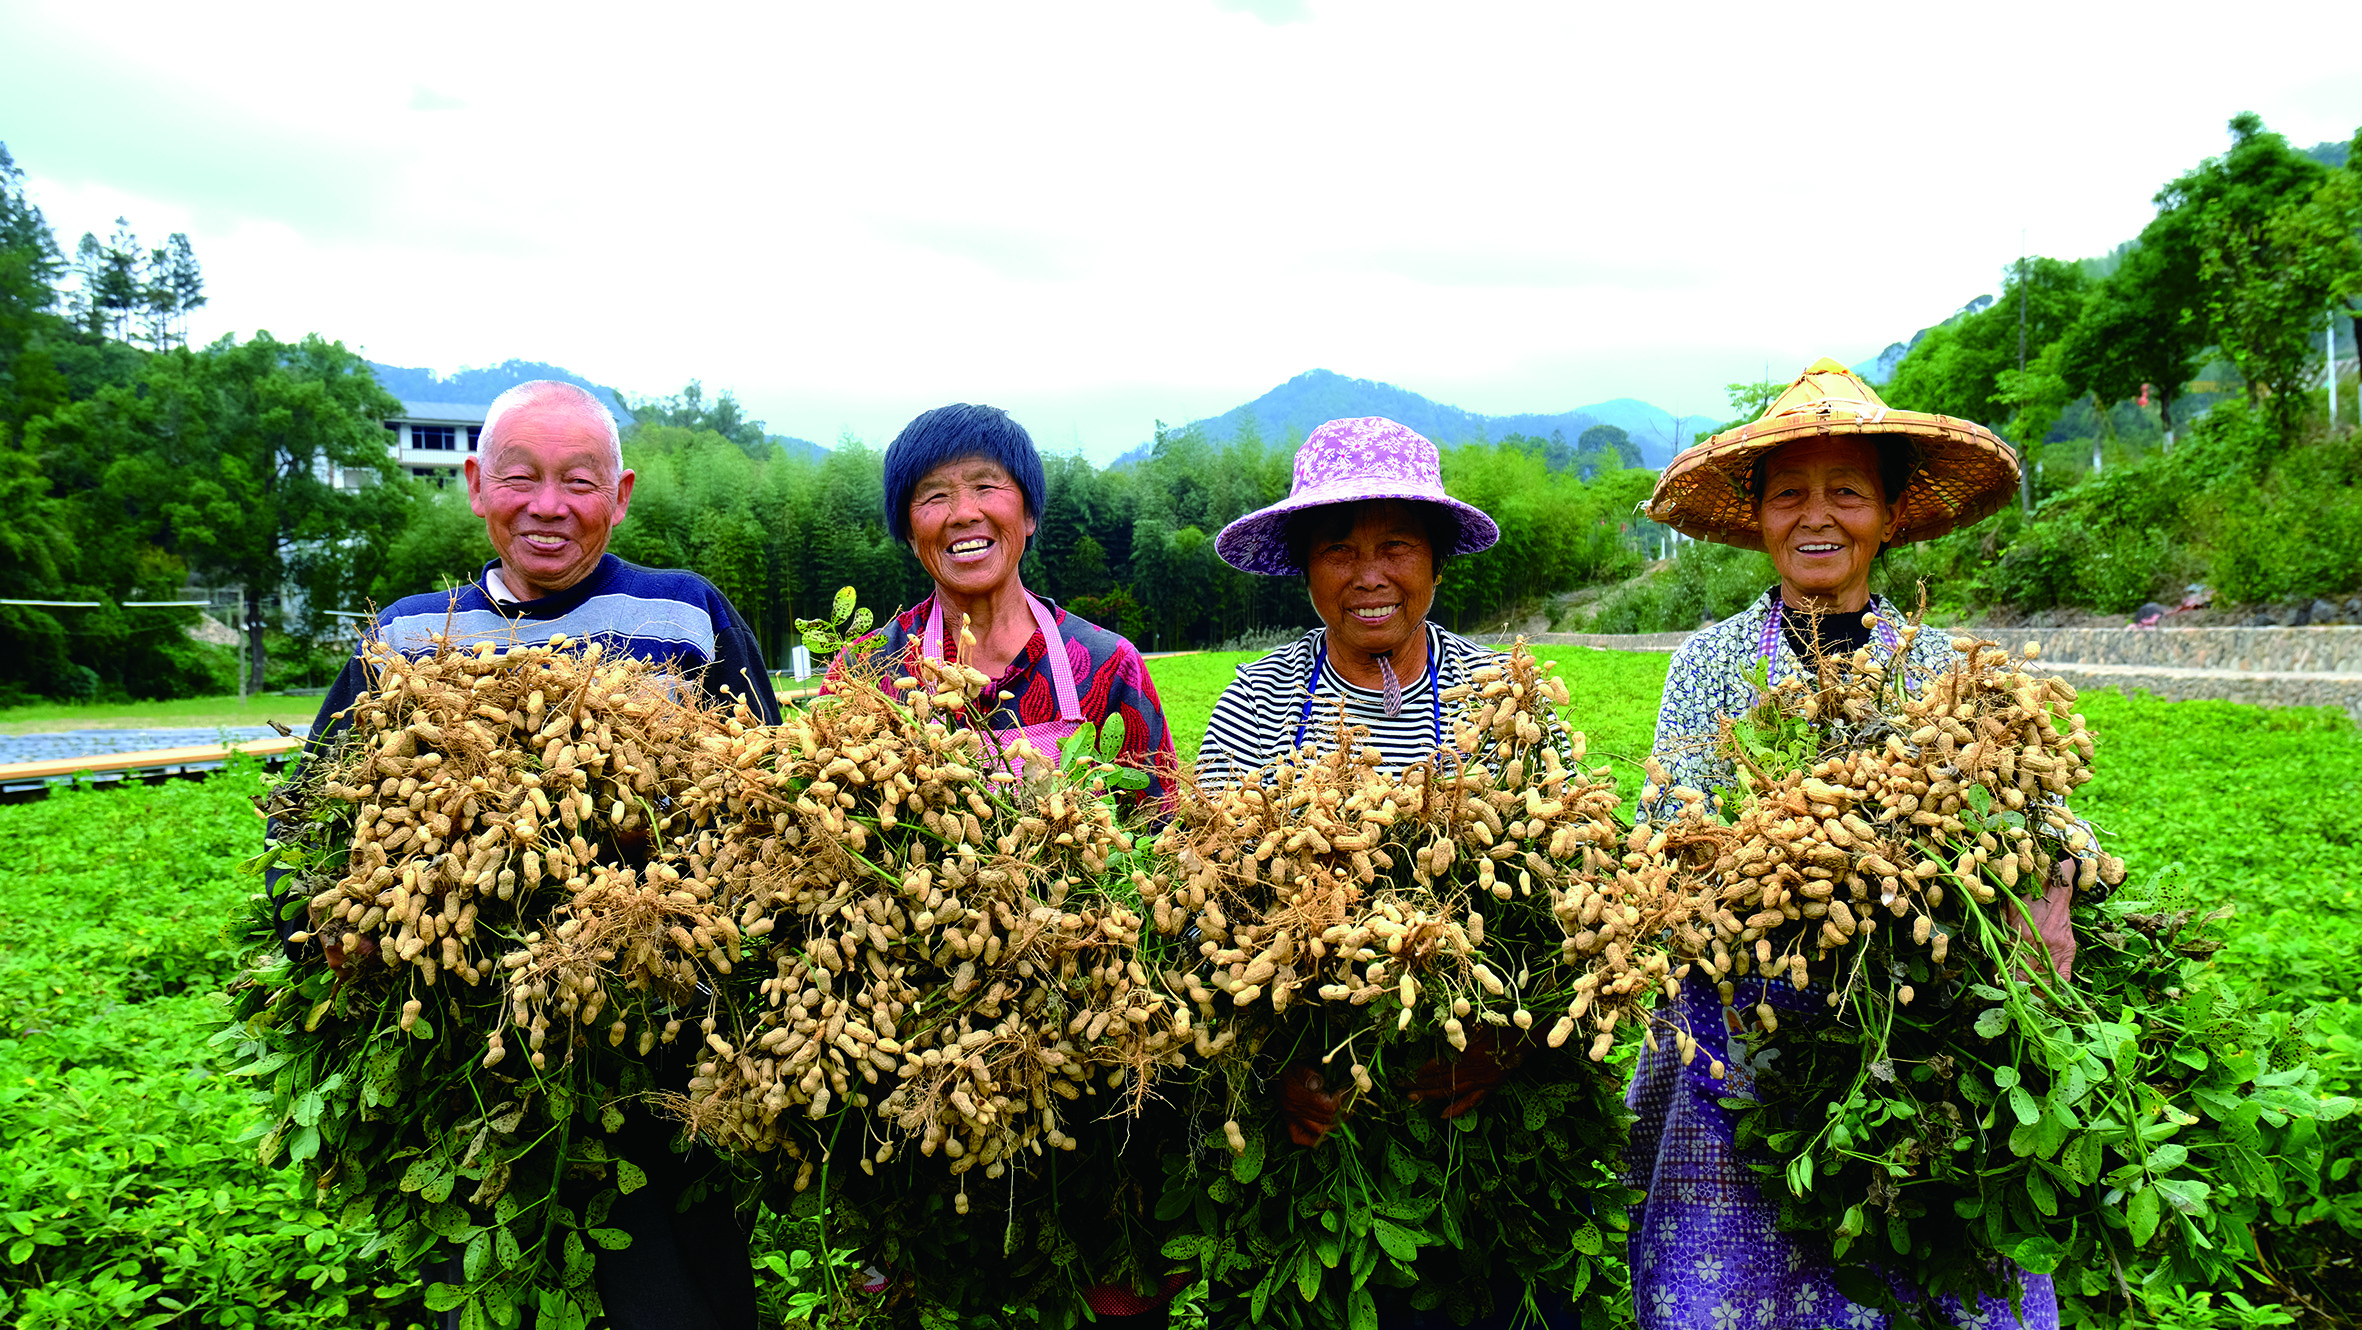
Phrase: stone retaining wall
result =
(2284, 667)
(2331, 649)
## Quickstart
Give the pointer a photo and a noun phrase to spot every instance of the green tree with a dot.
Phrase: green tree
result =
(228, 461)
(1085, 572)
(1610, 441)
(29, 266)
(1956, 368)
(174, 285)
(2270, 280)
(689, 410)
(2134, 330)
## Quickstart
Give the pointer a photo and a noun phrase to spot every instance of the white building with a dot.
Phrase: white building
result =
(432, 440)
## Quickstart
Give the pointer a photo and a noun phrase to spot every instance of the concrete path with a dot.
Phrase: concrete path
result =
(88, 743)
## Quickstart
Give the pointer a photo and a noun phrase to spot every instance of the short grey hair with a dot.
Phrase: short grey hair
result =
(554, 391)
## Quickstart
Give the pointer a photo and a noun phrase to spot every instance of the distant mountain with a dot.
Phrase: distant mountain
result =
(477, 387)
(795, 447)
(1303, 403)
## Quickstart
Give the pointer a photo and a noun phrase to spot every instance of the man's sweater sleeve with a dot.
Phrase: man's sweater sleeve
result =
(738, 663)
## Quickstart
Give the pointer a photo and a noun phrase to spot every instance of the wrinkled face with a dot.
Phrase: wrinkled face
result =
(1824, 518)
(1373, 585)
(547, 489)
(968, 525)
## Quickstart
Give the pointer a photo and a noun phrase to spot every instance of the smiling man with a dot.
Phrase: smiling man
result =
(551, 487)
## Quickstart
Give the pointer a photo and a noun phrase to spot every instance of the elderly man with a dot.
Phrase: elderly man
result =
(551, 486)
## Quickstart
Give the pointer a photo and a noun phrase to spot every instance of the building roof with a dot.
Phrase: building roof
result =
(441, 413)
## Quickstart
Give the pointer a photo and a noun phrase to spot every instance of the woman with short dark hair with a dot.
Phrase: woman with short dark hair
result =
(964, 492)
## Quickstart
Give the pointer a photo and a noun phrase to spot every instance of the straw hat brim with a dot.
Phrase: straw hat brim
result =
(1965, 474)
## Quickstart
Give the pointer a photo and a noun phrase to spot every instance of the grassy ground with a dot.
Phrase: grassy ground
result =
(124, 1195)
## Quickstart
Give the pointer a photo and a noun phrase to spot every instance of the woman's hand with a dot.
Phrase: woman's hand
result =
(2049, 924)
(1311, 1111)
(1463, 1082)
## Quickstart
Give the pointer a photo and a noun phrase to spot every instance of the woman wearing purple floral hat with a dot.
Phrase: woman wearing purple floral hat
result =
(1368, 526)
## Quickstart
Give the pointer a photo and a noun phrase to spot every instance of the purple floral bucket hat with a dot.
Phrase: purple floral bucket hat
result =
(1343, 462)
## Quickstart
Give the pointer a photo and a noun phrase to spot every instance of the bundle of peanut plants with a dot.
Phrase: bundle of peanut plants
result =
(1397, 940)
(951, 1024)
(511, 923)
(1960, 1105)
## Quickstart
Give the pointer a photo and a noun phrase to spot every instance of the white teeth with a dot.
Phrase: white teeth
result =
(969, 546)
(1373, 614)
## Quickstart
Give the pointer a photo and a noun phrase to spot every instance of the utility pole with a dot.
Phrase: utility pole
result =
(2329, 350)
(2025, 448)
(242, 648)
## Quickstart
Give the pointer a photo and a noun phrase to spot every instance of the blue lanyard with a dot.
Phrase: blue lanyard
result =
(1320, 657)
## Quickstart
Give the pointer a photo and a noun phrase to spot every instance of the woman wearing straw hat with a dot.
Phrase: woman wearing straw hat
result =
(1823, 482)
(1368, 526)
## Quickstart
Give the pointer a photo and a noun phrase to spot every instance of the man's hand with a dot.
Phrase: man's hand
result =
(1464, 1082)
(2050, 925)
(1311, 1111)
(338, 957)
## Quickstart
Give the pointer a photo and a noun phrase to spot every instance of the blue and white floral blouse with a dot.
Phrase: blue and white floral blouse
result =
(1708, 681)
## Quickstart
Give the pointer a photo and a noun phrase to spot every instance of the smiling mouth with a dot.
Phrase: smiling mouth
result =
(1375, 613)
(960, 548)
(542, 542)
(1819, 547)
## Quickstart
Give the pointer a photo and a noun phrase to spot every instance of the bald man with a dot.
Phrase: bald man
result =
(551, 487)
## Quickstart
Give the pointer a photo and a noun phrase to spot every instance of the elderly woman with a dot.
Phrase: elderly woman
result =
(1368, 526)
(1823, 482)
(964, 491)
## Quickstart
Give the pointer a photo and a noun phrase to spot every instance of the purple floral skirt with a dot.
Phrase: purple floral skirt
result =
(1705, 1252)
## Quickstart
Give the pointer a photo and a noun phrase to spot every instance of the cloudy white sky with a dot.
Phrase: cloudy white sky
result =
(1104, 213)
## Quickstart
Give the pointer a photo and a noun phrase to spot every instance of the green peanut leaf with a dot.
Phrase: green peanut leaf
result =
(1399, 1242)
(2141, 1214)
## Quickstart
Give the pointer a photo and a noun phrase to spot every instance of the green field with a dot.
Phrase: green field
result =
(124, 1201)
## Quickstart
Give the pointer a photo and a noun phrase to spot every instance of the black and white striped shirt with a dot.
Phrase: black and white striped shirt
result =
(1254, 721)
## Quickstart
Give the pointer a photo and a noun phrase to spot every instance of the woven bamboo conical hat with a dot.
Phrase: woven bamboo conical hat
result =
(1964, 473)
